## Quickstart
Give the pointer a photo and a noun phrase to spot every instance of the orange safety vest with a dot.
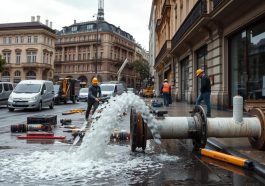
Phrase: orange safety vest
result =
(166, 87)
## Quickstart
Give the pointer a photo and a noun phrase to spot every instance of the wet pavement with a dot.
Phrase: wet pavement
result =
(56, 162)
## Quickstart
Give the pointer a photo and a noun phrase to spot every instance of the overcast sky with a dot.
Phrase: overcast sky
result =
(131, 16)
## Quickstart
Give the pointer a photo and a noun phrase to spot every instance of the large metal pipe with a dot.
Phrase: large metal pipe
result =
(229, 128)
(175, 127)
(199, 128)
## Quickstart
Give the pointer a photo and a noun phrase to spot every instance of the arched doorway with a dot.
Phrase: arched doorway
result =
(5, 76)
(83, 81)
(17, 76)
(31, 75)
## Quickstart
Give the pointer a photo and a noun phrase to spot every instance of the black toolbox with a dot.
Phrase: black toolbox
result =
(42, 119)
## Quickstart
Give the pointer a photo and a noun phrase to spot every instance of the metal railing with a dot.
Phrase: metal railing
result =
(77, 42)
(216, 3)
(165, 48)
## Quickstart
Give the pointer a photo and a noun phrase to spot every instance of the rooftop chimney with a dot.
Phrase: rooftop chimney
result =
(38, 18)
(32, 18)
(74, 21)
(50, 24)
(47, 22)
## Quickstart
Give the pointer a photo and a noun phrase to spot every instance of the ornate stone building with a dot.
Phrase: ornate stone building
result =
(94, 47)
(224, 37)
(28, 48)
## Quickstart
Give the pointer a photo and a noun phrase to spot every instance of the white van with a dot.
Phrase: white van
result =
(33, 94)
(109, 89)
(5, 90)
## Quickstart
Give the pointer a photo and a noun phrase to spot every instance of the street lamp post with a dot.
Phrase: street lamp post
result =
(96, 65)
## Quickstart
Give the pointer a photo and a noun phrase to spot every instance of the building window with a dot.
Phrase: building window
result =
(7, 56)
(201, 54)
(44, 57)
(21, 39)
(184, 78)
(17, 73)
(35, 39)
(18, 56)
(202, 58)
(74, 28)
(29, 39)
(17, 39)
(89, 27)
(10, 40)
(247, 56)
(31, 56)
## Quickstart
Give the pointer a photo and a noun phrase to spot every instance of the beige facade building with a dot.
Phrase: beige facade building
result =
(94, 47)
(224, 37)
(29, 50)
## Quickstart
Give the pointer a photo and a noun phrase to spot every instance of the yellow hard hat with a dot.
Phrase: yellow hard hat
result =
(199, 71)
(165, 80)
(94, 81)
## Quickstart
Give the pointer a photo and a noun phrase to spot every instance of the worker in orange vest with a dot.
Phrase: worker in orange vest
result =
(166, 89)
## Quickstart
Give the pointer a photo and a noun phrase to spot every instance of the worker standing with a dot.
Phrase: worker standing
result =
(205, 91)
(94, 93)
(165, 89)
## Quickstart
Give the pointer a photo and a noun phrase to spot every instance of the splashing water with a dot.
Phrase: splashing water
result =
(94, 159)
(109, 119)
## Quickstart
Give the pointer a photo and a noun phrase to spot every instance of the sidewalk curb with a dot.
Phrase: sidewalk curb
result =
(258, 167)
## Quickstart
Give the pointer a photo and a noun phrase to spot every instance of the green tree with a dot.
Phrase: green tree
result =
(2, 63)
(141, 67)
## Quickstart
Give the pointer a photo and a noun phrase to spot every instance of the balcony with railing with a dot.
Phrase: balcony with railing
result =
(36, 65)
(166, 48)
(94, 40)
(195, 14)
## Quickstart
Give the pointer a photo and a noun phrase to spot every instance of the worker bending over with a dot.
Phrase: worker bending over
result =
(94, 93)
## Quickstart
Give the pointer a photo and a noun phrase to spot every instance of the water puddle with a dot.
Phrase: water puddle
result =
(94, 161)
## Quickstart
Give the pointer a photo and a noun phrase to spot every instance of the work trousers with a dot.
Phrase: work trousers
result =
(166, 98)
(89, 106)
(206, 98)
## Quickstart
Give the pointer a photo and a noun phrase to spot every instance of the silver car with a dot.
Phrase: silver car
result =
(33, 94)
(83, 94)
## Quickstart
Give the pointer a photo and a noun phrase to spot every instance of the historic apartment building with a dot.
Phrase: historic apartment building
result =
(94, 47)
(29, 50)
(224, 37)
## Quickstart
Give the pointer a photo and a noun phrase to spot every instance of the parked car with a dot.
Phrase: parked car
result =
(5, 90)
(132, 90)
(110, 89)
(83, 94)
(34, 94)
